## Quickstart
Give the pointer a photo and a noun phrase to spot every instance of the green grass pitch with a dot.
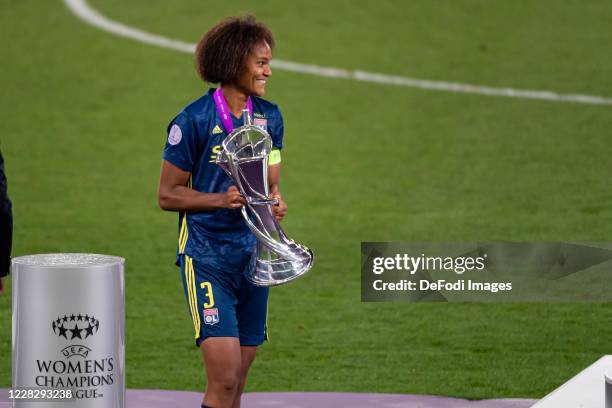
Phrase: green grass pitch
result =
(82, 125)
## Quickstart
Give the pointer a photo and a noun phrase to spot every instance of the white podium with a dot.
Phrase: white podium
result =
(68, 331)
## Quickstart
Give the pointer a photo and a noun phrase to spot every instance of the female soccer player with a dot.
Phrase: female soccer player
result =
(215, 245)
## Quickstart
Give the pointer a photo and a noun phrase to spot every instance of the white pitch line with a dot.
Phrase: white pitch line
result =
(82, 10)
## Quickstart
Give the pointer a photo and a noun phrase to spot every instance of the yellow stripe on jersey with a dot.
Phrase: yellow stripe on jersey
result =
(183, 235)
(193, 299)
(184, 232)
(188, 285)
(196, 320)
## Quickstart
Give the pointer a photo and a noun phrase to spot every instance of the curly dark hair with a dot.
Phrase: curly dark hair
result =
(222, 52)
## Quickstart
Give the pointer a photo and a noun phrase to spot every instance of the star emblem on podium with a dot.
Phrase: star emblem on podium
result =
(63, 327)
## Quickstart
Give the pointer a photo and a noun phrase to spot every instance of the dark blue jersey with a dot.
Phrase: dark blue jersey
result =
(194, 140)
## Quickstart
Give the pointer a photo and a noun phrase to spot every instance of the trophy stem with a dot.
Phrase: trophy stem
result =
(246, 116)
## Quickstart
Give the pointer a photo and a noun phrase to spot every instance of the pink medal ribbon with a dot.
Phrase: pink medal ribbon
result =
(224, 111)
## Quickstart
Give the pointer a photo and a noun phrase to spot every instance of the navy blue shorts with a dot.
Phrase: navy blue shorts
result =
(224, 304)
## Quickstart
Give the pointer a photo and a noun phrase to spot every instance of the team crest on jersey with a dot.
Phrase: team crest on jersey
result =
(175, 135)
(216, 130)
(211, 316)
(261, 123)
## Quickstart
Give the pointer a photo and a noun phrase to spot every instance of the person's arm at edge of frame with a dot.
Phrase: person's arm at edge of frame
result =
(5, 257)
(274, 183)
(6, 227)
(174, 195)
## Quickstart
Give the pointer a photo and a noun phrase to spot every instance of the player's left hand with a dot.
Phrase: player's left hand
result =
(280, 209)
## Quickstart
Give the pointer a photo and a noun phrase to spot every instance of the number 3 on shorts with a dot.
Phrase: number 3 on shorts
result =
(209, 294)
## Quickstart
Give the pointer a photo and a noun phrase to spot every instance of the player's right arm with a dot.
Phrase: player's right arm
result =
(174, 195)
(180, 152)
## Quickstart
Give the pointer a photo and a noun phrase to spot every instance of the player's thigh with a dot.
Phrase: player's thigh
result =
(222, 358)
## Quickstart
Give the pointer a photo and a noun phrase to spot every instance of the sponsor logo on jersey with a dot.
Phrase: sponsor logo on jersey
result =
(214, 152)
(216, 130)
(259, 115)
(211, 316)
(261, 123)
(175, 135)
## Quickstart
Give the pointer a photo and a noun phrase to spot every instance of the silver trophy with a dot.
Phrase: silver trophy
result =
(244, 158)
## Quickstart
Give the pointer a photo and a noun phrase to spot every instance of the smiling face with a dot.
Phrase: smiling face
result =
(252, 81)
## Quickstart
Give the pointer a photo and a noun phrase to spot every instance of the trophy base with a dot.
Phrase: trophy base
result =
(274, 272)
